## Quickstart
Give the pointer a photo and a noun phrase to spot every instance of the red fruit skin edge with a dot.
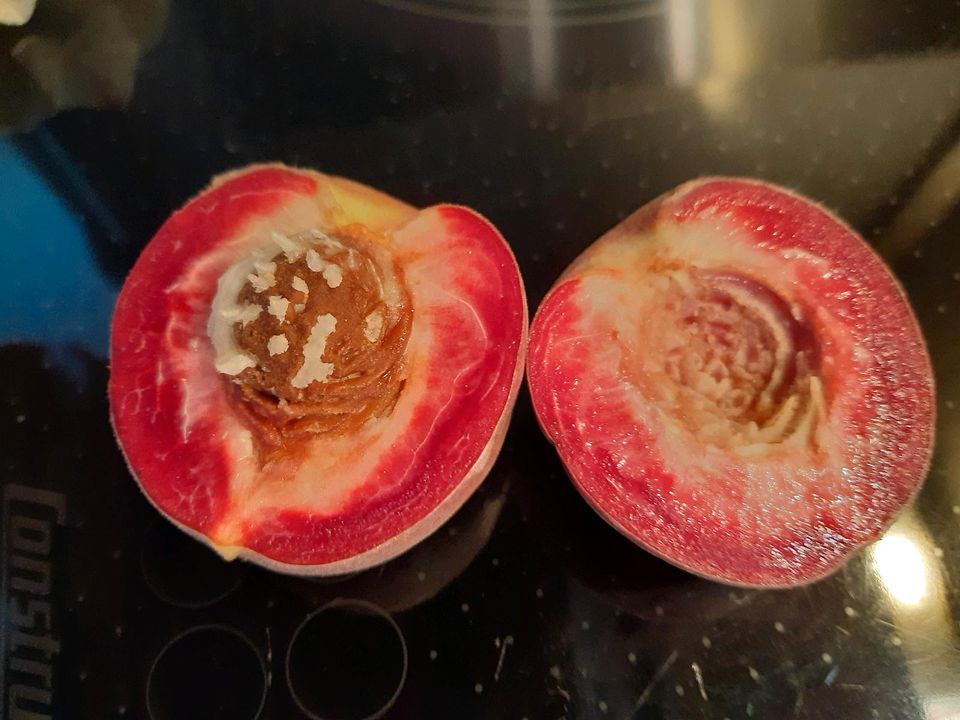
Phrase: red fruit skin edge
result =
(317, 547)
(136, 342)
(788, 221)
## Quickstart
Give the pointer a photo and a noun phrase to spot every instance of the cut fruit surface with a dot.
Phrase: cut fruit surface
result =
(312, 375)
(735, 381)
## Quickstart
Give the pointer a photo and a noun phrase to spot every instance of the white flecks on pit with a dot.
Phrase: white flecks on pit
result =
(421, 576)
(942, 309)
(779, 627)
(264, 277)
(329, 244)
(679, 690)
(555, 672)
(826, 658)
(956, 276)
(896, 641)
(121, 710)
(495, 562)
(451, 531)
(314, 261)
(632, 658)
(706, 642)
(313, 368)
(333, 275)
(465, 608)
(658, 610)
(233, 364)
(433, 654)
(585, 625)
(331, 272)
(21, 418)
(118, 630)
(373, 326)
(956, 509)
(277, 344)
(849, 611)
(291, 249)
(277, 306)
(496, 642)
(603, 706)
(950, 404)
(300, 285)
(754, 674)
(478, 688)
(540, 593)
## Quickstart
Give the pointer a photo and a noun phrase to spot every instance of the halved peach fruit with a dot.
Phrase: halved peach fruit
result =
(735, 381)
(311, 375)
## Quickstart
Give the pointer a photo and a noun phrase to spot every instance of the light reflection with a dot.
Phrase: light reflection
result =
(929, 205)
(901, 568)
(921, 626)
(543, 50)
(682, 29)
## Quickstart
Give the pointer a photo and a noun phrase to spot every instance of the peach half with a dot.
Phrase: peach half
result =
(736, 382)
(311, 375)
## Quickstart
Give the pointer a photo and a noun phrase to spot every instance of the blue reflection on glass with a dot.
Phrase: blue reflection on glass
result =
(51, 290)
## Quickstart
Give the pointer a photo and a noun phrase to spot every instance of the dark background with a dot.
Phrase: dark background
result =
(554, 118)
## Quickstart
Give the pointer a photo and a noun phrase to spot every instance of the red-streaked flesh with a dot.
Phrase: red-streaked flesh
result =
(736, 382)
(342, 501)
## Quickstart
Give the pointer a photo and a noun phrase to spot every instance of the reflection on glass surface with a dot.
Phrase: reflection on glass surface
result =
(543, 50)
(73, 53)
(682, 31)
(57, 294)
(901, 568)
(932, 202)
(16, 12)
(910, 571)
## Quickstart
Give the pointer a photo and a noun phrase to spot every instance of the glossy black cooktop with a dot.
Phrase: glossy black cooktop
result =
(555, 118)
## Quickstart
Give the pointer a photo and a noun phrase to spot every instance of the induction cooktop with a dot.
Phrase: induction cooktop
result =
(555, 118)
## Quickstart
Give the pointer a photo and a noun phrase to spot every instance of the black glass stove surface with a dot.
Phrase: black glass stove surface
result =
(555, 118)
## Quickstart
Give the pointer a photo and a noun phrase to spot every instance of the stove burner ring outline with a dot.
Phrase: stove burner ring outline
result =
(360, 607)
(154, 714)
